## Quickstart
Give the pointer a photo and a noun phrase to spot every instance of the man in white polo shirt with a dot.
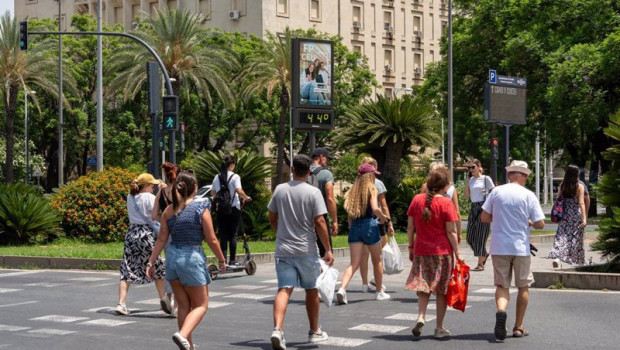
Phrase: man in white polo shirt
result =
(512, 209)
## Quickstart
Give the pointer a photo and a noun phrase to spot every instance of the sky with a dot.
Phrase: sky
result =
(6, 5)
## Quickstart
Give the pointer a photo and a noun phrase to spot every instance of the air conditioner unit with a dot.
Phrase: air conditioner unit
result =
(357, 24)
(418, 71)
(388, 67)
(234, 15)
(389, 29)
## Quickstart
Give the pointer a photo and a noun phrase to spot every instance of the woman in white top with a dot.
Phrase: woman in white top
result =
(477, 189)
(139, 241)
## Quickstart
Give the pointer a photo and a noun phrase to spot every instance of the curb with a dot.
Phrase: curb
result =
(578, 280)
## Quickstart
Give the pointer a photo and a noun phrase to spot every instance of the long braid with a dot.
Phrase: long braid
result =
(427, 213)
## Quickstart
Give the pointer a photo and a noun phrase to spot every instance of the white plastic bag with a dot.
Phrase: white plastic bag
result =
(326, 283)
(392, 260)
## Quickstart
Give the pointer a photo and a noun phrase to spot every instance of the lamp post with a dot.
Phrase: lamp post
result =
(450, 111)
(61, 150)
(26, 93)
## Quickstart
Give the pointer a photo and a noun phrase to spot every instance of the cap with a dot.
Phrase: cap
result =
(367, 168)
(321, 151)
(518, 166)
(147, 179)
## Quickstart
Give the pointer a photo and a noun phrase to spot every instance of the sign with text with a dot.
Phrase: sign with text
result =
(505, 102)
(312, 82)
(312, 119)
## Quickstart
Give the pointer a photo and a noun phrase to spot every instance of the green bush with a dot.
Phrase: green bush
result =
(26, 216)
(94, 207)
(255, 216)
(464, 203)
(400, 197)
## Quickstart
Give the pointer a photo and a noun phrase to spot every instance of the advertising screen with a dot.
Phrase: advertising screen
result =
(313, 73)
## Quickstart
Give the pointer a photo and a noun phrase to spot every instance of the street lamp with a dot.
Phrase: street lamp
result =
(26, 93)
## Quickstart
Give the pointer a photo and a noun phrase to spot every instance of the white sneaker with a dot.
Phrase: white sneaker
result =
(315, 337)
(166, 304)
(367, 289)
(277, 340)
(555, 263)
(372, 283)
(181, 342)
(342, 297)
(382, 296)
(417, 330)
(441, 333)
(121, 309)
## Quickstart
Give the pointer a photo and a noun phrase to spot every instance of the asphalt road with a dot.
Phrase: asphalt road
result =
(59, 309)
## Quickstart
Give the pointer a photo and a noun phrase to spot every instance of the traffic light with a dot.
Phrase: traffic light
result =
(494, 149)
(23, 35)
(171, 113)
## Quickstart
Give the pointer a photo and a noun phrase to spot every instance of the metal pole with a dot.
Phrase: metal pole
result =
(443, 145)
(99, 93)
(450, 111)
(290, 124)
(537, 165)
(312, 135)
(26, 132)
(61, 121)
(506, 150)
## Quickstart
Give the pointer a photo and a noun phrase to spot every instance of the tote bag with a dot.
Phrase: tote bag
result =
(458, 287)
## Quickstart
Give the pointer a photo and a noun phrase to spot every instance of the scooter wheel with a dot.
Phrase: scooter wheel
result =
(250, 267)
(213, 271)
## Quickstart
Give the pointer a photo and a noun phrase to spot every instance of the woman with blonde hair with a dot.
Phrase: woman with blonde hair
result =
(361, 204)
(383, 230)
(433, 245)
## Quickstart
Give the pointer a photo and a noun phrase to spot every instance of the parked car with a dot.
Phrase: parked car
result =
(204, 193)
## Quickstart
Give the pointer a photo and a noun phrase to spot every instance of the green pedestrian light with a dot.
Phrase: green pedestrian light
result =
(171, 113)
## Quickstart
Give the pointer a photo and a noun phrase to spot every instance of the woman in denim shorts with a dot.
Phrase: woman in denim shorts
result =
(361, 206)
(188, 223)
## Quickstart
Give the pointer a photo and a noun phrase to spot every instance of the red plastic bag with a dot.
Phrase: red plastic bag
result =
(458, 287)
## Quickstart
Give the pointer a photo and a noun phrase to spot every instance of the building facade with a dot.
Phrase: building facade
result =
(399, 37)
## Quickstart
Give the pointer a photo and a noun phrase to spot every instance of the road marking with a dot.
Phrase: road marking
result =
(98, 309)
(245, 287)
(249, 296)
(491, 291)
(344, 342)
(434, 307)
(379, 328)
(149, 302)
(18, 304)
(4, 327)
(410, 317)
(107, 322)
(8, 290)
(270, 281)
(46, 284)
(217, 294)
(59, 318)
(478, 298)
(89, 279)
(105, 284)
(19, 273)
(51, 331)
(216, 304)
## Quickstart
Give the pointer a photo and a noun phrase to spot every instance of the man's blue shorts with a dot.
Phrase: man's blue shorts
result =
(298, 271)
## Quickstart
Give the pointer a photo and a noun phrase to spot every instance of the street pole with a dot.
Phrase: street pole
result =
(26, 132)
(290, 136)
(450, 121)
(61, 151)
(537, 165)
(99, 93)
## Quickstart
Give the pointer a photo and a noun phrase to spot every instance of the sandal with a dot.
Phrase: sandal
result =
(480, 267)
(519, 332)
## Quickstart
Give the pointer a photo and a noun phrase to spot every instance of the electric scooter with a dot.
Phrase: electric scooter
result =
(247, 264)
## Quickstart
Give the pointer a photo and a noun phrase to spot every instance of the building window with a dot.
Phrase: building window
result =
(358, 21)
(417, 23)
(315, 10)
(358, 48)
(30, 2)
(404, 59)
(204, 6)
(417, 65)
(374, 18)
(432, 27)
(388, 61)
(282, 7)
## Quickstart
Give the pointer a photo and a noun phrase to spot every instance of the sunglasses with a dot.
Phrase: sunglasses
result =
(471, 167)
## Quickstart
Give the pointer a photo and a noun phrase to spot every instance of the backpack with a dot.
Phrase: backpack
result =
(222, 203)
(313, 179)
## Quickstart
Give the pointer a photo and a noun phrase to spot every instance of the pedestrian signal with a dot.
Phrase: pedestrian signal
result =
(23, 35)
(171, 113)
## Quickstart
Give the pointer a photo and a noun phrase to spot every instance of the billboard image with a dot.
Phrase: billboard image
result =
(312, 70)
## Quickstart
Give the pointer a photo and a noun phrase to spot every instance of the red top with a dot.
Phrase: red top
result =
(431, 238)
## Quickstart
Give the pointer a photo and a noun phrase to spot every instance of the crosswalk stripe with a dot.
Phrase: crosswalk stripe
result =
(18, 273)
(106, 322)
(379, 328)
(46, 284)
(270, 281)
(217, 294)
(8, 290)
(8, 328)
(19, 304)
(51, 331)
(149, 302)
(478, 298)
(216, 304)
(434, 307)
(248, 296)
(491, 290)
(344, 342)
(244, 287)
(89, 279)
(410, 317)
(59, 318)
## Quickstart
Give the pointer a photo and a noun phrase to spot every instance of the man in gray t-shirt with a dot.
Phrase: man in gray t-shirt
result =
(296, 213)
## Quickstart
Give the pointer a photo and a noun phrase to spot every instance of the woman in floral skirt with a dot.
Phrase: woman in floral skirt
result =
(568, 244)
(432, 247)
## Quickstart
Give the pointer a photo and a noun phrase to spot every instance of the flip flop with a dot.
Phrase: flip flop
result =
(520, 332)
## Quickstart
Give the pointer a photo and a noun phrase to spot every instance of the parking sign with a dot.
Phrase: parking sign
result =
(492, 76)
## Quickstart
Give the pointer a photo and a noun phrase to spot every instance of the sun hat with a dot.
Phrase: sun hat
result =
(367, 168)
(147, 179)
(518, 166)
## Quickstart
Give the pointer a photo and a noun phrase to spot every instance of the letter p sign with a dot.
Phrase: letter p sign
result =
(492, 76)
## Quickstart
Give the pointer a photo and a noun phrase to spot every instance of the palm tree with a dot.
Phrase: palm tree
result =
(388, 129)
(23, 71)
(178, 39)
(271, 71)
